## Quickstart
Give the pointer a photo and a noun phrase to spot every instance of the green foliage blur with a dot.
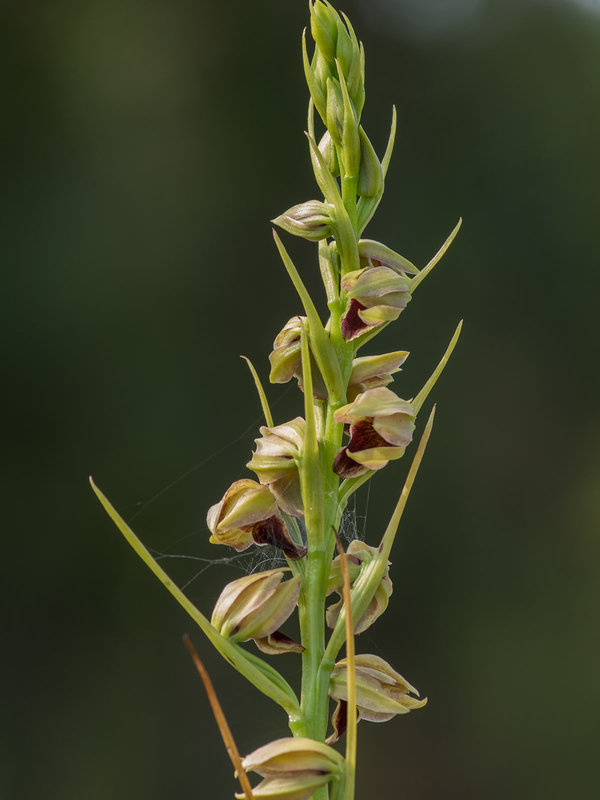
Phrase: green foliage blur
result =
(145, 148)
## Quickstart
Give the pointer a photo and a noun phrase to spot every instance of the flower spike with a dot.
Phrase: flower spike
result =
(304, 469)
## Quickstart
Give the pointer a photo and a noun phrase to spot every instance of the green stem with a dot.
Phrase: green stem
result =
(312, 627)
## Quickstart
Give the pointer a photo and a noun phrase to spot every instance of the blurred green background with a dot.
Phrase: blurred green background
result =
(145, 147)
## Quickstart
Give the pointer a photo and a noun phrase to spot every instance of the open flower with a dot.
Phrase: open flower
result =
(247, 514)
(381, 425)
(286, 358)
(254, 607)
(376, 295)
(275, 463)
(358, 554)
(381, 692)
(293, 768)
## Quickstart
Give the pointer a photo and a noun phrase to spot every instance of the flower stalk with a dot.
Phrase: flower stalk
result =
(306, 469)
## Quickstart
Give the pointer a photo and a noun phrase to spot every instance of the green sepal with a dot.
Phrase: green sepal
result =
(257, 671)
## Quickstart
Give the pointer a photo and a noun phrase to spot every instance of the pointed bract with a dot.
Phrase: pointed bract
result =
(358, 554)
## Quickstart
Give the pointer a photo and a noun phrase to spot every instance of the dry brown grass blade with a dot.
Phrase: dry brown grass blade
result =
(221, 720)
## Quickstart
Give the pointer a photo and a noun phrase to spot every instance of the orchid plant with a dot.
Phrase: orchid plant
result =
(306, 469)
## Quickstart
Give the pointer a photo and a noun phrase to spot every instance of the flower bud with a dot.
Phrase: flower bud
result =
(293, 768)
(324, 29)
(310, 220)
(350, 57)
(254, 607)
(335, 41)
(381, 427)
(376, 295)
(328, 151)
(275, 463)
(380, 255)
(369, 372)
(286, 359)
(358, 553)
(247, 514)
(381, 692)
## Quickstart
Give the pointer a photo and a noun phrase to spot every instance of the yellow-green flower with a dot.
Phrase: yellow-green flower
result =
(293, 768)
(369, 372)
(381, 692)
(376, 295)
(275, 463)
(254, 607)
(358, 554)
(247, 514)
(381, 426)
(286, 360)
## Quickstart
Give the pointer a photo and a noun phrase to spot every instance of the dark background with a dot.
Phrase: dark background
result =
(145, 147)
